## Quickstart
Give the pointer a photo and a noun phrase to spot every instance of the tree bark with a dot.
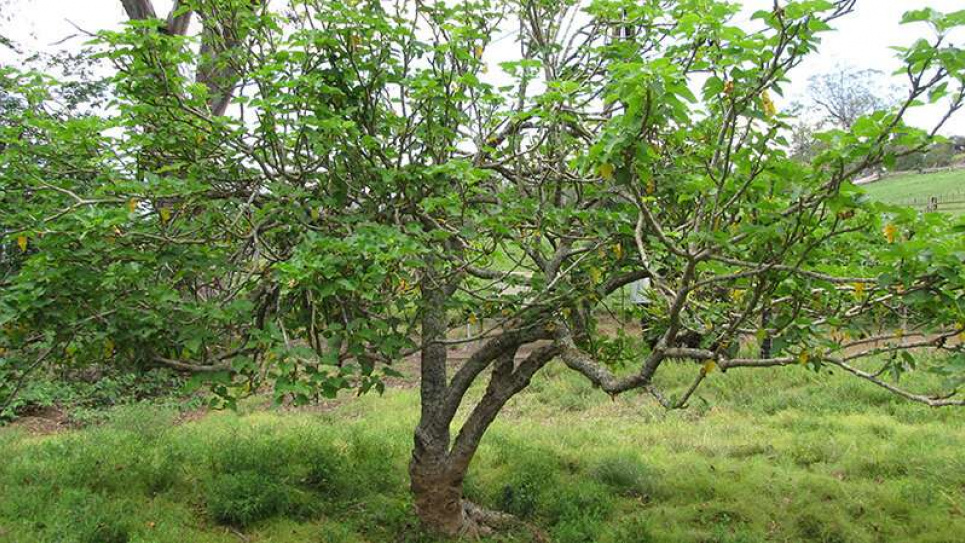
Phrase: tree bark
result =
(437, 471)
(216, 70)
(437, 491)
(767, 342)
(439, 504)
(139, 10)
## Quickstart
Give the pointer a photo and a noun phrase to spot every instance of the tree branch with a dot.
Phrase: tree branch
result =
(177, 23)
(139, 10)
(580, 361)
(195, 368)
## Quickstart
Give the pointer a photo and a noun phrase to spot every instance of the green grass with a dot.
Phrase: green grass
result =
(788, 456)
(902, 189)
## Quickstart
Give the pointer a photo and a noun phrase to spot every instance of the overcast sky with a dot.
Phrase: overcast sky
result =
(862, 39)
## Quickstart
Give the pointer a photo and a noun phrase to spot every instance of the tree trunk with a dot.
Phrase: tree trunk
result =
(437, 472)
(438, 466)
(437, 490)
(436, 487)
(767, 342)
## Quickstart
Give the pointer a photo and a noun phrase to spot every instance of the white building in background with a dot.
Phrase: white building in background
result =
(640, 292)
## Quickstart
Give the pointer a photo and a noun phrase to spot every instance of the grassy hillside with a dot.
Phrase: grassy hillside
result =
(906, 188)
(788, 456)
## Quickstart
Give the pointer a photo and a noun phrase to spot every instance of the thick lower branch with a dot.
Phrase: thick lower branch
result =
(194, 368)
(504, 384)
(481, 359)
(578, 360)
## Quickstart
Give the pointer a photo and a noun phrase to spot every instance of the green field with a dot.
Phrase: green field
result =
(786, 456)
(915, 189)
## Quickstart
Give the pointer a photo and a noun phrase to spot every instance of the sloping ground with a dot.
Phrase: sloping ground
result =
(790, 456)
(916, 190)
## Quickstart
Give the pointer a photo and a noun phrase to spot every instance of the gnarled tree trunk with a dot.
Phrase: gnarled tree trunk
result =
(439, 463)
(437, 490)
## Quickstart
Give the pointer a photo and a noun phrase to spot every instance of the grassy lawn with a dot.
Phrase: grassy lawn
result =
(788, 456)
(903, 189)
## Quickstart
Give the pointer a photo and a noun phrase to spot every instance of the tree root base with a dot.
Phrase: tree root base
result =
(480, 522)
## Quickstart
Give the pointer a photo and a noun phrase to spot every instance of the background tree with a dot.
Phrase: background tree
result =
(803, 142)
(847, 93)
(6, 9)
(375, 192)
(218, 64)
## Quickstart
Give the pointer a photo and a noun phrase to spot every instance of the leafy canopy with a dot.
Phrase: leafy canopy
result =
(379, 161)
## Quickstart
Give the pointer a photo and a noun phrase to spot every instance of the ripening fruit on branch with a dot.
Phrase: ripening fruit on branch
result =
(858, 290)
(596, 276)
(22, 243)
(769, 108)
(891, 232)
(606, 171)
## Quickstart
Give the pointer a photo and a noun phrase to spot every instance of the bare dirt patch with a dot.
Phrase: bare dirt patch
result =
(45, 421)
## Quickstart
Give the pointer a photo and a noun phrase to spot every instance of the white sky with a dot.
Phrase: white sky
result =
(861, 39)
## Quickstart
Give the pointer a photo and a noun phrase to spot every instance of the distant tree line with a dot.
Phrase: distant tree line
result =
(941, 154)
